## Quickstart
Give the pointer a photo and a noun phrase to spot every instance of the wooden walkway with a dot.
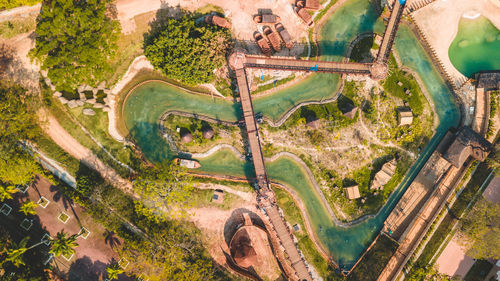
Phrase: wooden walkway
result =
(307, 65)
(390, 32)
(266, 197)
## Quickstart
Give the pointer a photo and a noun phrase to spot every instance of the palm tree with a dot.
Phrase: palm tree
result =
(111, 239)
(114, 270)
(7, 191)
(63, 245)
(28, 208)
(15, 253)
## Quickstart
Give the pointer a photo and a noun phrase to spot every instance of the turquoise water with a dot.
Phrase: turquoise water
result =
(146, 104)
(476, 46)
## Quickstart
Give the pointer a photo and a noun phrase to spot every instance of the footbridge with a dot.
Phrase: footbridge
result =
(265, 197)
(390, 31)
(307, 65)
(239, 61)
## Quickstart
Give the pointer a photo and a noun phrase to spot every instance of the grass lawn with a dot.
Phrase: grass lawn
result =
(374, 261)
(96, 127)
(45, 144)
(129, 47)
(203, 198)
(478, 271)
(19, 25)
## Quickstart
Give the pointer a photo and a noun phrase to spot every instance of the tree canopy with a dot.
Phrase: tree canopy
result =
(186, 51)
(165, 190)
(74, 41)
(481, 230)
(17, 123)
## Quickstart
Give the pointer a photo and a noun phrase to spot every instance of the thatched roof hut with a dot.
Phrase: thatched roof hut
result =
(405, 116)
(207, 132)
(186, 135)
(309, 4)
(352, 192)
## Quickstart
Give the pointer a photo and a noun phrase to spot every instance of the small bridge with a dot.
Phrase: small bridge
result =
(265, 196)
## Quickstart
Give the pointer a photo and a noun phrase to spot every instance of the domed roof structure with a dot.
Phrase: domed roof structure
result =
(208, 132)
(186, 135)
(242, 250)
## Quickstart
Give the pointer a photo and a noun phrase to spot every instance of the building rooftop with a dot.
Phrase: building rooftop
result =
(467, 143)
(352, 192)
(489, 81)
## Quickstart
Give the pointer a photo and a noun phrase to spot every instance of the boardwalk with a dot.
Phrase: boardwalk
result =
(265, 194)
(266, 198)
(390, 32)
(307, 65)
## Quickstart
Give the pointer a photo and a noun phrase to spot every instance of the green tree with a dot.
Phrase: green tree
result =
(17, 123)
(9, 4)
(481, 230)
(75, 40)
(114, 270)
(494, 159)
(16, 251)
(6, 192)
(28, 208)
(64, 245)
(165, 190)
(185, 51)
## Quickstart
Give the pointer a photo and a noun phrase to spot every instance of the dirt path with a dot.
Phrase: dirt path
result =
(62, 138)
(20, 12)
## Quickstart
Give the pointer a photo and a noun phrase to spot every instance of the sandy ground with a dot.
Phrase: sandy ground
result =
(492, 192)
(439, 21)
(21, 70)
(240, 12)
(62, 138)
(213, 221)
(453, 261)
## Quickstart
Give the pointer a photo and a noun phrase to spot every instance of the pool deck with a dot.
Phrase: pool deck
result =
(439, 22)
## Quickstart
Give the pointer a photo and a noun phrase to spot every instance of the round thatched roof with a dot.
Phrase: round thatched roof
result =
(186, 135)
(208, 132)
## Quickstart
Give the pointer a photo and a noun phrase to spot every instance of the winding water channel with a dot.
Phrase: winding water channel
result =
(345, 243)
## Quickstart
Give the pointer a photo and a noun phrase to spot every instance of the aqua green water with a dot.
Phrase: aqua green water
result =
(476, 46)
(346, 244)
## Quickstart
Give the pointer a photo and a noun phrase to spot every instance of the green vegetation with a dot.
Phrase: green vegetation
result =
(48, 147)
(478, 271)
(165, 190)
(97, 126)
(495, 95)
(28, 208)
(74, 42)
(413, 136)
(185, 51)
(203, 198)
(9, 4)
(363, 178)
(17, 123)
(63, 244)
(14, 261)
(425, 261)
(374, 261)
(362, 49)
(305, 244)
(481, 230)
(11, 28)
